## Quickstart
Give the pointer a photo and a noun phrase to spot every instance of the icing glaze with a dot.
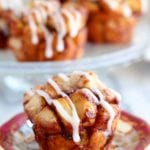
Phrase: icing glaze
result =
(113, 4)
(107, 107)
(33, 28)
(74, 18)
(61, 29)
(41, 14)
(127, 10)
(73, 119)
(118, 95)
(48, 39)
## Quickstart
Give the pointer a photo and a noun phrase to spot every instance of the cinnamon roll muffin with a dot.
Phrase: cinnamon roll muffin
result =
(110, 21)
(49, 31)
(73, 112)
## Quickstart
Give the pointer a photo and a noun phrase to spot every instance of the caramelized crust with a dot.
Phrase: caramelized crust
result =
(50, 106)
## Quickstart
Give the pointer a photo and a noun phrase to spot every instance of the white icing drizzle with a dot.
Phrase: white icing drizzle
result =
(72, 119)
(100, 101)
(91, 94)
(56, 87)
(61, 29)
(41, 16)
(118, 95)
(77, 22)
(49, 5)
(42, 12)
(127, 10)
(33, 28)
(74, 18)
(48, 39)
(38, 16)
(45, 95)
(107, 107)
(112, 4)
(71, 20)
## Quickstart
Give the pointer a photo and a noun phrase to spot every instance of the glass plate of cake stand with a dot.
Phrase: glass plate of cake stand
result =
(96, 56)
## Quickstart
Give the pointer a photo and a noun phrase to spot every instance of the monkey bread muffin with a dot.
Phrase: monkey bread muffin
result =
(73, 112)
(111, 21)
(49, 31)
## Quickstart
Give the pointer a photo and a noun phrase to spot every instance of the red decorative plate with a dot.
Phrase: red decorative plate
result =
(132, 134)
